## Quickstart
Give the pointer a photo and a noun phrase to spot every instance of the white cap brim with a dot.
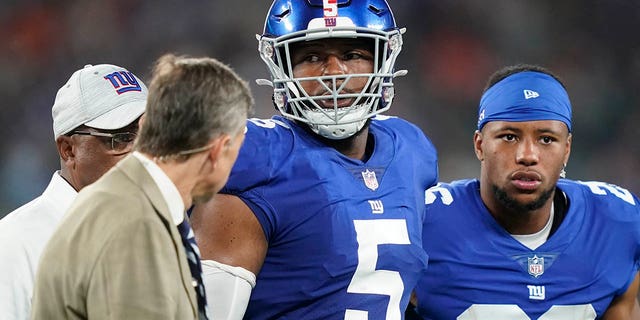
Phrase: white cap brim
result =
(119, 117)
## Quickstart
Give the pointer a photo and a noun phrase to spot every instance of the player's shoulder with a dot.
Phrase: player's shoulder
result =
(403, 132)
(276, 129)
(394, 123)
(447, 204)
(267, 147)
(267, 138)
(270, 124)
(607, 198)
(452, 193)
(457, 186)
(599, 192)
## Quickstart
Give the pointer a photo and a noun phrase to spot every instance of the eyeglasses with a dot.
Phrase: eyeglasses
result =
(121, 142)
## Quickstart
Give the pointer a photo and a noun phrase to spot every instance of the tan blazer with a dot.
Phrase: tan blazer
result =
(116, 255)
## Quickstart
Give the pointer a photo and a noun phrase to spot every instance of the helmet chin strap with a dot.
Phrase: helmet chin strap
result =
(337, 131)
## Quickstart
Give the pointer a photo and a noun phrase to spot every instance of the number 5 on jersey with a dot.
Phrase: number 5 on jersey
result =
(368, 280)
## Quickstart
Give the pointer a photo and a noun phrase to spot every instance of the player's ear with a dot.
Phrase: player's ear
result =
(64, 144)
(568, 150)
(477, 145)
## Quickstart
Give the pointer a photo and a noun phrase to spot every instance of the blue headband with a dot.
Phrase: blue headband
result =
(525, 96)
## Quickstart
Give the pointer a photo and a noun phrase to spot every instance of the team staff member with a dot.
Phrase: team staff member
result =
(95, 121)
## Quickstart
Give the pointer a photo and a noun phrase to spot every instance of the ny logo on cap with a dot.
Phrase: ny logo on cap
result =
(529, 94)
(123, 81)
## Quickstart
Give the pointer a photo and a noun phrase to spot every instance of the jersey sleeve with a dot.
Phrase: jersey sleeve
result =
(620, 208)
(267, 144)
(447, 196)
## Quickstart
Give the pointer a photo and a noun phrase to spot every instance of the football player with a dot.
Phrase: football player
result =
(523, 242)
(321, 217)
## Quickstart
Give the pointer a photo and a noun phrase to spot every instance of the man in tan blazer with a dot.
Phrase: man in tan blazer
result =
(118, 254)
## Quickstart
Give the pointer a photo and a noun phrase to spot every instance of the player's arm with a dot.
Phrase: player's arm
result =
(625, 307)
(233, 246)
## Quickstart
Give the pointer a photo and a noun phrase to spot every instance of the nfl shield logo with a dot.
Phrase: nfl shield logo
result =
(536, 266)
(370, 179)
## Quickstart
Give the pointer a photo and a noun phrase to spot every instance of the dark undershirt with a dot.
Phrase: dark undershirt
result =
(560, 207)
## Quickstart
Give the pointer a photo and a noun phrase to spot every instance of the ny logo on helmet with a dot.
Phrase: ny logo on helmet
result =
(330, 22)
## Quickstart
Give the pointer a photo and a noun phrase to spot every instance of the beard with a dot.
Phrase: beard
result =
(515, 206)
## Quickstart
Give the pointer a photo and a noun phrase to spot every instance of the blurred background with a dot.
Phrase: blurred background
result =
(451, 48)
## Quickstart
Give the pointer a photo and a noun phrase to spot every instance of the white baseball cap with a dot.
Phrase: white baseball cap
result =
(103, 96)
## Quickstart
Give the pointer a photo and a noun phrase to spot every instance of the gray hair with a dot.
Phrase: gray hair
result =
(190, 102)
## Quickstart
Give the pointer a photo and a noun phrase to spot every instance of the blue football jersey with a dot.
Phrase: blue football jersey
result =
(345, 236)
(477, 270)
